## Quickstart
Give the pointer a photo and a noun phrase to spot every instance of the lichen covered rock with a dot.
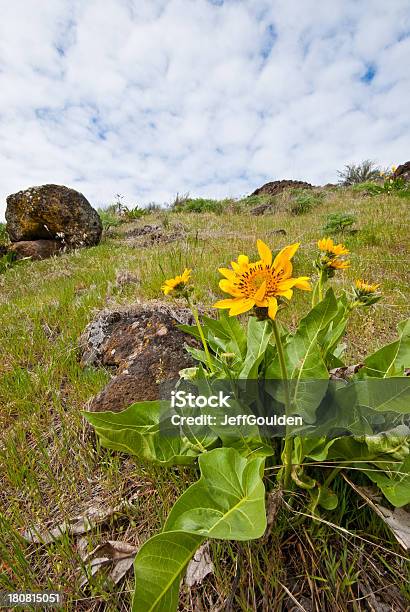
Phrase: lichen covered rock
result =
(142, 345)
(52, 212)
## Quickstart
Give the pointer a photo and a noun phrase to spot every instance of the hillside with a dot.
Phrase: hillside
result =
(52, 468)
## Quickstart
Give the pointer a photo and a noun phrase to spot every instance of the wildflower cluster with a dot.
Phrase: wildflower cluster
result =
(332, 256)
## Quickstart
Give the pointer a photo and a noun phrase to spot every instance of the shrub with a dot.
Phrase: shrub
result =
(109, 218)
(339, 222)
(134, 213)
(304, 201)
(353, 174)
(199, 205)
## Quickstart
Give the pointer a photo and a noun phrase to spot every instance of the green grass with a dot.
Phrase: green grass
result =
(4, 238)
(51, 467)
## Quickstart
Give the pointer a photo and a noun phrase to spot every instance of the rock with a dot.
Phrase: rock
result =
(151, 234)
(35, 249)
(261, 209)
(144, 347)
(403, 171)
(52, 212)
(275, 187)
(280, 232)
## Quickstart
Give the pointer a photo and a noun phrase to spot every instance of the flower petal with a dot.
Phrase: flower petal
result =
(264, 252)
(285, 255)
(227, 273)
(303, 282)
(286, 293)
(272, 307)
(241, 305)
(225, 303)
(228, 287)
(260, 293)
(243, 261)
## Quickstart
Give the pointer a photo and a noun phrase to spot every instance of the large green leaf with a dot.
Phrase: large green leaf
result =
(304, 355)
(259, 334)
(225, 334)
(304, 359)
(145, 430)
(230, 331)
(159, 568)
(392, 359)
(227, 502)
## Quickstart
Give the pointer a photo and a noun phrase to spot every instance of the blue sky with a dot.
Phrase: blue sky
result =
(148, 98)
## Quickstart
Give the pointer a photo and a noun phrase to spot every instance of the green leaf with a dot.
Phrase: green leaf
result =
(159, 568)
(394, 484)
(384, 394)
(391, 359)
(144, 429)
(259, 334)
(303, 352)
(304, 360)
(227, 502)
(236, 333)
(323, 497)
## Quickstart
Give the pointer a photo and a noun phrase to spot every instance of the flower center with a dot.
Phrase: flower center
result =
(251, 281)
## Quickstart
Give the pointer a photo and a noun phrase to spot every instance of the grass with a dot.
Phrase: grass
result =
(51, 468)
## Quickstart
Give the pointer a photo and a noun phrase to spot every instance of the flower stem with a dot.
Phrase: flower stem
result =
(201, 334)
(320, 286)
(317, 295)
(288, 448)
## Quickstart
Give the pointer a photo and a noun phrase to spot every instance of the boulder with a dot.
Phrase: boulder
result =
(35, 249)
(275, 187)
(142, 346)
(403, 171)
(52, 212)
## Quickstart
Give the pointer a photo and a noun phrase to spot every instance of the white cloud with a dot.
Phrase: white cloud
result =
(151, 97)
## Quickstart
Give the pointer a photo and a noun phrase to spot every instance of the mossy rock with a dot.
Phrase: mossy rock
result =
(51, 212)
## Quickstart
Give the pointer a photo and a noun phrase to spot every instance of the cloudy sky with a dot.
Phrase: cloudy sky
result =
(148, 98)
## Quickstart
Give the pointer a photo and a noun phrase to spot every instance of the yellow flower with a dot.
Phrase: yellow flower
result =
(174, 284)
(393, 168)
(327, 244)
(364, 287)
(260, 283)
(334, 254)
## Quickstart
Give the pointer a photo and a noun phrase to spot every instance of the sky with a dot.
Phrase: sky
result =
(150, 98)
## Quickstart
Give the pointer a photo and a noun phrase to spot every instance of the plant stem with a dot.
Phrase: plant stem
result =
(288, 448)
(320, 286)
(332, 476)
(201, 334)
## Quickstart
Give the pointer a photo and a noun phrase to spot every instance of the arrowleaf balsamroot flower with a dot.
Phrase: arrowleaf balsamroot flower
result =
(177, 283)
(260, 283)
(365, 294)
(366, 287)
(334, 255)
